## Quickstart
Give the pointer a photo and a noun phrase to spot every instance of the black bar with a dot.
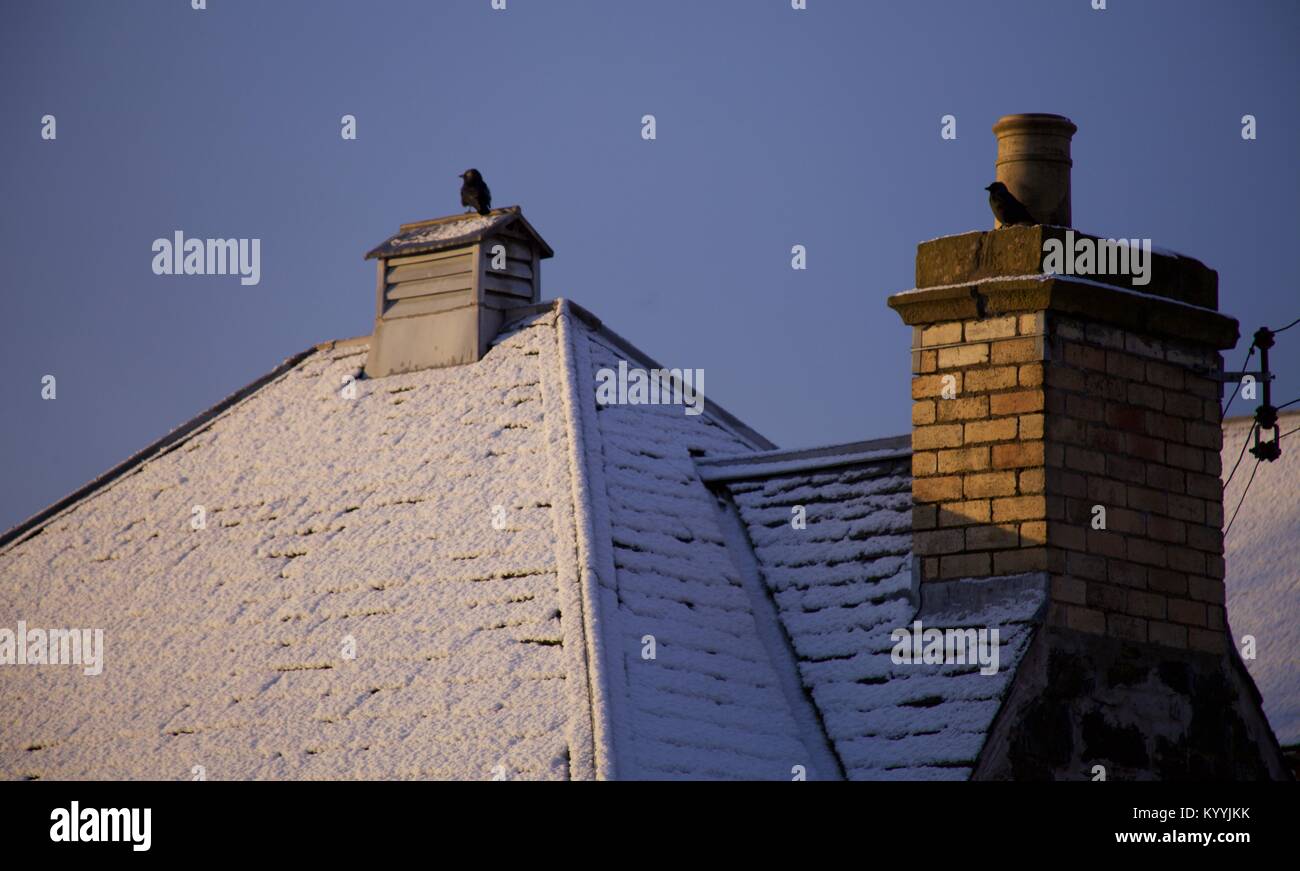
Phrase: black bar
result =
(492, 821)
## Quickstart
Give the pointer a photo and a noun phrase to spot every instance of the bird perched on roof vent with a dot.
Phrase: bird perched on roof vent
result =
(1006, 208)
(474, 192)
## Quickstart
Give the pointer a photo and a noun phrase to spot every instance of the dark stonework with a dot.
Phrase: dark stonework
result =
(1142, 711)
(972, 257)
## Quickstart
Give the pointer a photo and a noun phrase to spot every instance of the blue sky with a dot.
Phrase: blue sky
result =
(775, 128)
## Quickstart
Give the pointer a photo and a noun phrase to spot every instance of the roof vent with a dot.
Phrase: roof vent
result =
(445, 285)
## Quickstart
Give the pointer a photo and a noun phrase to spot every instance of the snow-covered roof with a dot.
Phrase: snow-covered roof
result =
(842, 581)
(329, 521)
(1262, 551)
(480, 571)
(345, 512)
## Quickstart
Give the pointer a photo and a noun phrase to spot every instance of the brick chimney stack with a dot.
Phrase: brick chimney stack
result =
(1066, 433)
(1069, 424)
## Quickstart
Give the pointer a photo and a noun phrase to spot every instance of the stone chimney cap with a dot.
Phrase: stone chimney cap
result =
(454, 231)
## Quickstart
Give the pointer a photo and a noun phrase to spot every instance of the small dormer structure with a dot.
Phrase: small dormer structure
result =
(444, 285)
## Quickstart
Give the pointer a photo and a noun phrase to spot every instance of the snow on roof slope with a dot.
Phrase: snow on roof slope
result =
(844, 583)
(709, 704)
(326, 519)
(480, 652)
(1262, 551)
(518, 652)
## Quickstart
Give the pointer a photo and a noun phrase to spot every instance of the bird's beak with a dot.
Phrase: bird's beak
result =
(989, 188)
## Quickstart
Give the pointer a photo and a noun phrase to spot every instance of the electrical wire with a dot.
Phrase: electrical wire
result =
(1288, 326)
(1237, 387)
(1252, 473)
(1242, 499)
(1250, 432)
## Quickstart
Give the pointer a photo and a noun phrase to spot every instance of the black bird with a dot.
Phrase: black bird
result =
(1006, 208)
(474, 192)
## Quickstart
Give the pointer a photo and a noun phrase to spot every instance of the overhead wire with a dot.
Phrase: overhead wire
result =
(1242, 499)
(1236, 388)
(1250, 432)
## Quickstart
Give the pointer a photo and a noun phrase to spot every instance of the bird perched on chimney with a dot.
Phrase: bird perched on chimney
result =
(1006, 208)
(474, 192)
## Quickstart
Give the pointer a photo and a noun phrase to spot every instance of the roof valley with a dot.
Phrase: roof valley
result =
(774, 637)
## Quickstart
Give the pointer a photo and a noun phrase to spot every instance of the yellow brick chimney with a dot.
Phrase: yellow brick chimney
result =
(1069, 423)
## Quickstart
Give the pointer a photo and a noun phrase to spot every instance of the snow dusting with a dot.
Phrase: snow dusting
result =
(327, 518)
(444, 233)
(1262, 551)
(479, 572)
(842, 585)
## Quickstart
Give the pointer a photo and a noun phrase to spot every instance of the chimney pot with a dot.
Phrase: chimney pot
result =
(1034, 163)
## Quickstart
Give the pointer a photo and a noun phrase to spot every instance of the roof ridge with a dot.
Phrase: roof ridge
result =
(785, 462)
(604, 687)
(712, 409)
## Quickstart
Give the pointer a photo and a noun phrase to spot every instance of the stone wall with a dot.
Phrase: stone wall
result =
(1139, 711)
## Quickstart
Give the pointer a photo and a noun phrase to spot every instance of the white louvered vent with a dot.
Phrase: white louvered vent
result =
(444, 287)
